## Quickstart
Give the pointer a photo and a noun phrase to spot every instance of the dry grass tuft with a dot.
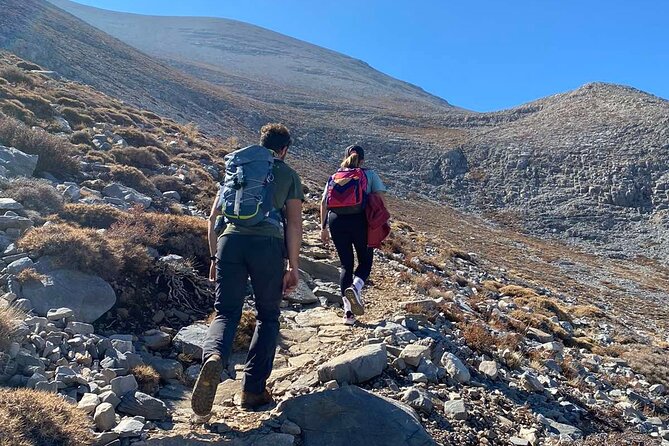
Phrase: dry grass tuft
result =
(55, 154)
(99, 216)
(138, 138)
(518, 291)
(31, 418)
(29, 275)
(649, 361)
(147, 379)
(247, 326)
(132, 177)
(587, 311)
(142, 158)
(16, 75)
(33, 194)
(9, 319)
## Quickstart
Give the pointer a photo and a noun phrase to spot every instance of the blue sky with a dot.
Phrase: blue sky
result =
(482, 55)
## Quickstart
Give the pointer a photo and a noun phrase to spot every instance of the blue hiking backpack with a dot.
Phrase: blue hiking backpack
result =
(247, 191)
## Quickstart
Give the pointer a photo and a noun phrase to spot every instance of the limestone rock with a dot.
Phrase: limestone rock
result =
(141, 404)
(455, 368)
(456, 409)
(352, 416)
(16, 163)
(413, 353)
(355, 366)
(190, 340)
(88, 296)
(104, 417)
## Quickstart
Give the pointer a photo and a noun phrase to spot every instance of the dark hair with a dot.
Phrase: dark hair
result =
(353, 156)
(275, 136)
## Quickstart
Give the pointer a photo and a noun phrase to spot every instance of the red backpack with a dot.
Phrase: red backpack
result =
(347, 190)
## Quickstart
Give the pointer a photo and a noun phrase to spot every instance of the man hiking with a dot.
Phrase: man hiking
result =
(261, 200)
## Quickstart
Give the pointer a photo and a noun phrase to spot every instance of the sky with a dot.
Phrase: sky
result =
(482, 55)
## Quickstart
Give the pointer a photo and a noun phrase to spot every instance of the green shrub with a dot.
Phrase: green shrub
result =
(55, 154)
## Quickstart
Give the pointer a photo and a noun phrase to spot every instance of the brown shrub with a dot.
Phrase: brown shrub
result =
(137, 138)
(14, 109)
(650, 362)
(478, 338)
(587, 311)
(132, 177)
(30, 275)
(136, 229)
(544, 306)
(9, 321)
(55, 154)
(137, 157)
(28, 66)
(36, 195)
(182, 235)
(166, 183)
(70, 102)
(247, 326)
(518, 291)
(15, 75)
(99, 216)
(31, 418)
(37, 104)
(88, 250)
(147, 379)
(76, 118)
(426, 282)
(80, 137)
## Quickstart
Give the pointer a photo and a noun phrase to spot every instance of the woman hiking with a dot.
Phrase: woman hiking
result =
(343, 211)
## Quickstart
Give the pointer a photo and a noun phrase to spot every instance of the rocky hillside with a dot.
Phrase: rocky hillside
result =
(103, 308)
(587, 166)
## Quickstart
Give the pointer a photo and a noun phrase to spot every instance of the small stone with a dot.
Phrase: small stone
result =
(58, 314)
(418, 377)
(657, 390)
(157, 340)
(455, 368)
(105, 417)
(80, 328)
(331, 385)
(110, 397)
(129, 427)
(489, 369)
(531, 383)
(456, 409)
(418, 399)
(88, 403)
(413, 353)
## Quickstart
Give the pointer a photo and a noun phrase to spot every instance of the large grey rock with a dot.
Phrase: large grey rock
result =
(129, 427)
(88, 403)
(302, 295)
(123, 385)
(166, 368)
(190, 340)
(17, 163)
(9, 204)
(14, 222)
(88, 296)
(104, 417)
(352, 416)
(320, 269)
(20, 265)
(413, 353)
(356, 366)
(456, 409)
(141, 404)
(455, 368)
(419, 399)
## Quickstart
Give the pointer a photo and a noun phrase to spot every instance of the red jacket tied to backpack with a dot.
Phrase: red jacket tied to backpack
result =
(378, 216)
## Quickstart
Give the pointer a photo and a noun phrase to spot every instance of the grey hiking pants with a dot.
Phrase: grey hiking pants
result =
(261, 258)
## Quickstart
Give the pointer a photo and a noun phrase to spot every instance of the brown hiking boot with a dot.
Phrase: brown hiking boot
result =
(254, 401)
(204, 391)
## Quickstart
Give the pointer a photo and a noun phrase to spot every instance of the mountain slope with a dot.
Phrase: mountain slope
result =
(42, 33)
(255, 61)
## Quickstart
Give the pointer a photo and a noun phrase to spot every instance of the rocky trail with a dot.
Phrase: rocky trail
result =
(103, 315)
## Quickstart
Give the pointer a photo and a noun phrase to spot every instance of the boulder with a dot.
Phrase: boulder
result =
(129, 427)
(455, 368)
(141, 404)
(88, 403)
(356, 366)
(352, 416)
(156, 340)
(190, 340)
(88, 296)
(166, 368)
(419, 399)
(19, 265)
(16, 163)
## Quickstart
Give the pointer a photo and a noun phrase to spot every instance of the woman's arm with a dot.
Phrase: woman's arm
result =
(325, 235)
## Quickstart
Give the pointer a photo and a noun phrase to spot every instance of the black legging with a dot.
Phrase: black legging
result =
(348, 232)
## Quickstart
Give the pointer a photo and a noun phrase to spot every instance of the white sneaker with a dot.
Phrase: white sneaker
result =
(355, 299)
(349, 318)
